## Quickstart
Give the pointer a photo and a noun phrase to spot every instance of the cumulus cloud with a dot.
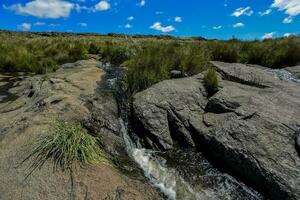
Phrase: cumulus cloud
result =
(80, 8)
(242, 11)
(142, 3)
(290, 7)
(130, 18)
(217, 27)
(24, 27)
(178, 19)
(43, 8)
(165, 29)
(288, 20)
(288, 34)
(266, 12)
(128, 26)
(102, 6)
(238, 25)
(268, 35)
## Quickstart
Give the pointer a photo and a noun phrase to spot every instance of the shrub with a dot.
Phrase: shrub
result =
(155, 60)
(211, 81)
(222, 51)
(65, 144)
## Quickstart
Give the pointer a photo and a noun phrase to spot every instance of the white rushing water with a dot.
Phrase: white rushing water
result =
(283, 74)
(172, 185)
(166, 179)
(158, 175)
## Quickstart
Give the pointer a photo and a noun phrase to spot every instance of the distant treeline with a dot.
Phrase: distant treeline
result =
(149, 59)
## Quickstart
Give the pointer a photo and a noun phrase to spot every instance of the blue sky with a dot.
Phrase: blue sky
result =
(222, 19)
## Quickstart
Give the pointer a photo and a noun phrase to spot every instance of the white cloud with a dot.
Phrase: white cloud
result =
(24, 27)
(130, 18)
(242, 11)
(178, 19)
(288, 20)
(39, 23)
(288, 34)
(82, 24)
(102, 6)
(268, 35)
(165, 29)
(217, 27)
(128, 26)
(290, 7)
(238, 25)
(79, 8)
(266, 12)
(142, 3)
(43, 8)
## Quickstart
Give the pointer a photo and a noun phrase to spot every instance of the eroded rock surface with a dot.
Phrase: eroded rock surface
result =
(71, 93)
(294, 70)
(247, 128)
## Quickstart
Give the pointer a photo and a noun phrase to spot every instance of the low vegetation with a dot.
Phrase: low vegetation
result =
(65, 145)
(211, 81)
(148, 59)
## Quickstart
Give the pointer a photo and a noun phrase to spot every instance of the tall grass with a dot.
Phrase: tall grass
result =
(211, 81)
(148, 59)
(65, 145)
(154, 62)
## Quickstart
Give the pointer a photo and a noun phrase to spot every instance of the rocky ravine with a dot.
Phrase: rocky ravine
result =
(248, 128)
(75, 92)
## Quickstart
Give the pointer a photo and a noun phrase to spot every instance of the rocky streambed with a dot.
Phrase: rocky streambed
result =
(171, 141)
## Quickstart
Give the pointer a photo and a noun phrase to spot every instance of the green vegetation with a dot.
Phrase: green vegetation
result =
(211, 81)
(148, 59)
(65, 145)
(154, 62)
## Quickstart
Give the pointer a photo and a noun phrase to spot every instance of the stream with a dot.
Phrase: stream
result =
(178, 174)
(283, 74)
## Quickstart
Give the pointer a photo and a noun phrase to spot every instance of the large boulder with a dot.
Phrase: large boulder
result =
(247, 128)
(27, 108)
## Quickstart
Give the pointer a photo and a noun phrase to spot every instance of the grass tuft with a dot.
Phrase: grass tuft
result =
(65, 144)
(211, 81)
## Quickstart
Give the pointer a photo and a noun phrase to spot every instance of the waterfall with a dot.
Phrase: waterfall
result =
(159, 175)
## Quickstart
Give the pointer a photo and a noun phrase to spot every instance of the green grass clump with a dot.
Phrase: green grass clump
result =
(211, 81)
(65, 144)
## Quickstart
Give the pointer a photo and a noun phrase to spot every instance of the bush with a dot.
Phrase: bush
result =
(211, 81)
(224, 51)
(65, 144)
(154, 62)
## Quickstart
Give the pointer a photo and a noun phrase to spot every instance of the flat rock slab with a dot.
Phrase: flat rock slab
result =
(67, 94)
(248, 127)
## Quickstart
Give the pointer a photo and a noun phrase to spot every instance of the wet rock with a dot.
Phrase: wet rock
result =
(247, 128)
